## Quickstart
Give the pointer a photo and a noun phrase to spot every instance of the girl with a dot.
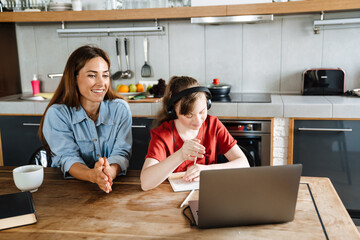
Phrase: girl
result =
(186, 138)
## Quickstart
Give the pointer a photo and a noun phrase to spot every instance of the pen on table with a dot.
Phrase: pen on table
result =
(187, 198)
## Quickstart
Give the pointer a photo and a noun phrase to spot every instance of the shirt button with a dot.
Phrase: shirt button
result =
(97, 155)
(95, 140)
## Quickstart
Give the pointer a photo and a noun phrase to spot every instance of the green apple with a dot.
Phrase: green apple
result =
(132, 87)
(117, 87)
(148, 88)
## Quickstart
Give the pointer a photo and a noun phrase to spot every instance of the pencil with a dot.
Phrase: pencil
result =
(187, 198)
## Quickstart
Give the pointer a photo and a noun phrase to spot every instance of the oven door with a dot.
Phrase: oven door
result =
(254, 136)
(253, 147)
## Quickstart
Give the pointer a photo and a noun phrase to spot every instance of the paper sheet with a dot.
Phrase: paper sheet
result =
(180, 185)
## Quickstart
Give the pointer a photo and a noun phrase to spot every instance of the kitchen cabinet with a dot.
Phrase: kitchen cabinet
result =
(19, 138)
(141, 127)
(293, 7)
(330, 148)
(9, 62)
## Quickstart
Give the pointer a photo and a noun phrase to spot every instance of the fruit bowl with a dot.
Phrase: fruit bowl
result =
(130, 93)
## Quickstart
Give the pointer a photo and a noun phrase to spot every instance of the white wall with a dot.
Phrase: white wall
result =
(265, 57)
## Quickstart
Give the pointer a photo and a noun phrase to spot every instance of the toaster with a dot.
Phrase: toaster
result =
(323, 81)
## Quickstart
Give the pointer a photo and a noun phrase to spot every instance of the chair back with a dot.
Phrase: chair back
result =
(250, 158)
(40, 157)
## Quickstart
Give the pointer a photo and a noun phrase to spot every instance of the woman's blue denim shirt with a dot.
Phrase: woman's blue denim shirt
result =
(73, 137)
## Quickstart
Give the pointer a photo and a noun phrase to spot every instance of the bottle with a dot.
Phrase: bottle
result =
(35, 83)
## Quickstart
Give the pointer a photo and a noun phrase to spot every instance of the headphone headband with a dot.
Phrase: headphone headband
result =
(177, 96)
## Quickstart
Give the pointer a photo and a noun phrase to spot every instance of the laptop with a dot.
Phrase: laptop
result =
(246, 196)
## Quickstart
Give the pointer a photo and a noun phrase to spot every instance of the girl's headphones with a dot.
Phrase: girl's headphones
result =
(176, 97)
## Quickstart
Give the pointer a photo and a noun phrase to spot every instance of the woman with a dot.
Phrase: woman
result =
(186, 137)
(87, 126)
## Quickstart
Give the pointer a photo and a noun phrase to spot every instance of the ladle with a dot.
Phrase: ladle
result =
(127, 73)
(119, 73)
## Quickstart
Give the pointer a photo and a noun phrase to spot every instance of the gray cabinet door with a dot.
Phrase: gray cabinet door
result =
(19, 135)
(141, 138)
(19, 138)
(330, 148)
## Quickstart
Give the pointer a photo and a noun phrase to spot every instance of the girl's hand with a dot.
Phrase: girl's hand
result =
(193, 172)
(192, 149)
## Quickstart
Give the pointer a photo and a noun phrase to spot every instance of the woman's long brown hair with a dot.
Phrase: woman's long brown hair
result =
(176, 85)
(67, 92)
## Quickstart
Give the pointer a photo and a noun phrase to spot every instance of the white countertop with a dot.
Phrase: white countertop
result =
(297, 106)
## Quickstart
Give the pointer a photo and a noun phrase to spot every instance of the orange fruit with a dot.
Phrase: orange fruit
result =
(123, 88)
(139, 87)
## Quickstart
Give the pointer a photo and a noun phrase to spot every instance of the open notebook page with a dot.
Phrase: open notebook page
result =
(180, 185)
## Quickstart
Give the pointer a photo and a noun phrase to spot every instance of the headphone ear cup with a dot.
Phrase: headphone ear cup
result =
(170, 109)
(172, 113)
(208, 103)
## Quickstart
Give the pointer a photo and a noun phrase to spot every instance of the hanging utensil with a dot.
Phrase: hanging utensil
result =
(119, 73)
(146, 69)
(127, 73)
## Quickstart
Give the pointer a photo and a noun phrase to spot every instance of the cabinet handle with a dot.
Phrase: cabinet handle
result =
(326, 129)
(31, 124)
(54, 75)
(138, 126)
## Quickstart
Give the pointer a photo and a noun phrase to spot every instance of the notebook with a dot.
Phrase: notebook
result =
(180, 185)
(16, 209)
(246, 196)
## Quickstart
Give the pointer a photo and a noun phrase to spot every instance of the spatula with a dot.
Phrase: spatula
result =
(146, 69)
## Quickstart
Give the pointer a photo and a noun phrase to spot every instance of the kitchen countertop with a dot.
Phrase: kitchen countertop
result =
(297, 106)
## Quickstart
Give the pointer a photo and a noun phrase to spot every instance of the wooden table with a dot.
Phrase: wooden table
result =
(72, 209)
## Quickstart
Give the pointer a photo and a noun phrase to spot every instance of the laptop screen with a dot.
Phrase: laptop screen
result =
(247, 196)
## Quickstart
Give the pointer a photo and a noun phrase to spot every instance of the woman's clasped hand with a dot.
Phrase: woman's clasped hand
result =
(103, 175)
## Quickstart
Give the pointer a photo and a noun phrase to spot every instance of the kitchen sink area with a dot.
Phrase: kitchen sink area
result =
(24, 97)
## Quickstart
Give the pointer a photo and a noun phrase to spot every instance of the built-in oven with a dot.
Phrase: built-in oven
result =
(254, 136)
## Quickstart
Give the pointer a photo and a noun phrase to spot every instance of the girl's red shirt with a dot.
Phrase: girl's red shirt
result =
(212, 134)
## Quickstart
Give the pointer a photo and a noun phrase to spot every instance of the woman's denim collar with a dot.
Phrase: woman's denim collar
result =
(104, 114)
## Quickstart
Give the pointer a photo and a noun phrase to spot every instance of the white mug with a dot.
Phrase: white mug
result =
(28, 177)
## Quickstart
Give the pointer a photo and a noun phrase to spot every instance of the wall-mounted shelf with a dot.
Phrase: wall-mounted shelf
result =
(113, 15)
(278, 8)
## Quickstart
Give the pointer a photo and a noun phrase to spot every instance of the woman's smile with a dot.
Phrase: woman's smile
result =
(93, 81)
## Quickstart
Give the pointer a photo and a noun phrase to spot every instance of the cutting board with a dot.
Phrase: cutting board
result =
(146, 100)
(45, 95)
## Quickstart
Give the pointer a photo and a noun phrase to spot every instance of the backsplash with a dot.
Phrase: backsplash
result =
(262, 57)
